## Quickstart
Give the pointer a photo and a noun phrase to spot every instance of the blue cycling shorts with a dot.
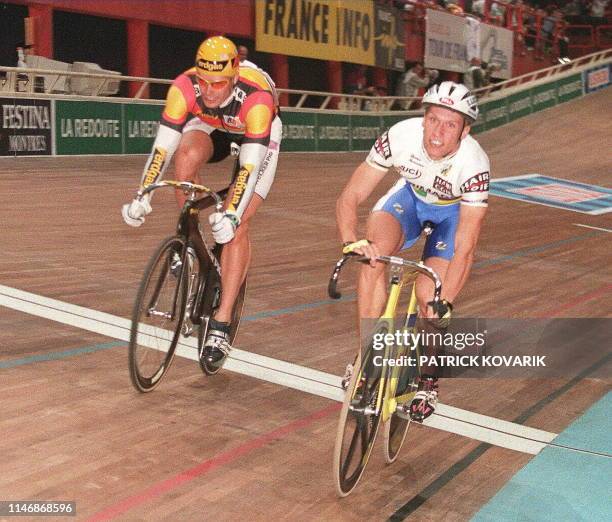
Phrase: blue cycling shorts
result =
(411, 212)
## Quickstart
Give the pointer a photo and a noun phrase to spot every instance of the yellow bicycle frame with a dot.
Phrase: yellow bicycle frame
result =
(387, 401)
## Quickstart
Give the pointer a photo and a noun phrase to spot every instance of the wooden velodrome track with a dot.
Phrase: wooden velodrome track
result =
(233, 447)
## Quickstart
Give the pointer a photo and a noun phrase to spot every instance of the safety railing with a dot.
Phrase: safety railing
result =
(10, 78)
(58, 82)
(542, 75)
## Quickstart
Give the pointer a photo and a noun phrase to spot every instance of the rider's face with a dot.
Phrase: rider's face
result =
(443, 131)
(215, 90)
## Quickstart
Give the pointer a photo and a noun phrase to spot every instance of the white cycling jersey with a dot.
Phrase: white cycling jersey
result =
(461, 177)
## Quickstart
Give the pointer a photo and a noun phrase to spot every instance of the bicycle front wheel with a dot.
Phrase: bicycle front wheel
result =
(358, 425)
(158, 315)
(396, 427)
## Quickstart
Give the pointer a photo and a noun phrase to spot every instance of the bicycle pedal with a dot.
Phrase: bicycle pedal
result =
(187, 329)
(346, 379)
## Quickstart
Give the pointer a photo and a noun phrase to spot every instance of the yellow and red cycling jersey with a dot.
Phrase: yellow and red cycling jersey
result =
(248, 111)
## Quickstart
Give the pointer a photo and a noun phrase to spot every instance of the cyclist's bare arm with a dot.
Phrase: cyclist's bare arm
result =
(466, 238)
(357, 190)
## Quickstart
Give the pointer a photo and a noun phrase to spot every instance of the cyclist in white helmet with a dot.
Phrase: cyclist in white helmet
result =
(444, 178)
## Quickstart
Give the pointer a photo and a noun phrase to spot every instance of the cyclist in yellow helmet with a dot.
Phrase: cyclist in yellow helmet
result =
(208, 107)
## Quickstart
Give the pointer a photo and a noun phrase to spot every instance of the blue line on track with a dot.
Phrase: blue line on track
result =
(55, 356)
(297, 308)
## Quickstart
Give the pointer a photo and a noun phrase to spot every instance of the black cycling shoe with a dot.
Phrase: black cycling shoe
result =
(217, 346)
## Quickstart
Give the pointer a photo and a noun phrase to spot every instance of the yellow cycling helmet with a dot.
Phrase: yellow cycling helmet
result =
(217, 56)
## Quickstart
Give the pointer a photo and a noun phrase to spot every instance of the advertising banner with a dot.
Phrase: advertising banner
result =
(334, 132)
(25, 127)
(88, 127)
(450, 42)
(543, 96)
(519, 105)
(495, 113)
(569, 88)
(356, 31)
(480, 125)
(596, 79)
(497, 46)
(389, 38)
(390, 120)
(299, 131)
(445, 41)
(364, 131)
(140, 124)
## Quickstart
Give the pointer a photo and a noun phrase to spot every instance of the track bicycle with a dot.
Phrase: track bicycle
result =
(377, 391)
(179, 292)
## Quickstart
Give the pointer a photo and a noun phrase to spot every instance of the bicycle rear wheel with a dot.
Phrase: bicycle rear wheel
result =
(358, 425)
(158, 315)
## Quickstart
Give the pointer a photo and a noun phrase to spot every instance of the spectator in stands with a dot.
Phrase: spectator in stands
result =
(454, 9)
(517, 24)
(356, 80)
(497, 13)
(479, 74)
(21, 57)
(478, 7)
(560, 37)
(411, 81)
(532, 39)
(598, 12)
(547, 30)
(406, 5)
(22, 52)
(243, 53)
(376, 104)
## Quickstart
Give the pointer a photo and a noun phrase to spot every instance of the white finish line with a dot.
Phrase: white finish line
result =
(454, 420)
(592, 227)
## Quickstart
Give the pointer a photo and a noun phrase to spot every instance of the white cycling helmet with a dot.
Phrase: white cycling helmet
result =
(454, 96)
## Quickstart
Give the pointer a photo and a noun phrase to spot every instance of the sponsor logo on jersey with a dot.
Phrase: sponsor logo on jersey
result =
(212, 66)
(477, 183)
(416, 160)
(410, 172)
(445, 170)
(155, 166)
(233, 121)
(382, 145)
(240, 185)
(443, 186)
(398, 208)
(441, 245)
(239, 94)
(447, 101)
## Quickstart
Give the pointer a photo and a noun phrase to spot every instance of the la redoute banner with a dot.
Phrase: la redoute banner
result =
(452, 41)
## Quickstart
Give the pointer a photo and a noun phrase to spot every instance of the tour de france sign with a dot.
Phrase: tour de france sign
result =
(357, 31)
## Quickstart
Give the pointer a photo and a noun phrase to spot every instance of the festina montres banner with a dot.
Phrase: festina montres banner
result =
(357, 31)
(25, 127)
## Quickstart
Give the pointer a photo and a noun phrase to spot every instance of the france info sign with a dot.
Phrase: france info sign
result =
(555, 192)
(25, 127)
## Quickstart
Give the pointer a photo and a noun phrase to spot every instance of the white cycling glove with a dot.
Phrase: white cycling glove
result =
(223, 226)
(134, 213)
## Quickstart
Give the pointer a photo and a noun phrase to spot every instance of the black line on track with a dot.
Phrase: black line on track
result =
(430, 490)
